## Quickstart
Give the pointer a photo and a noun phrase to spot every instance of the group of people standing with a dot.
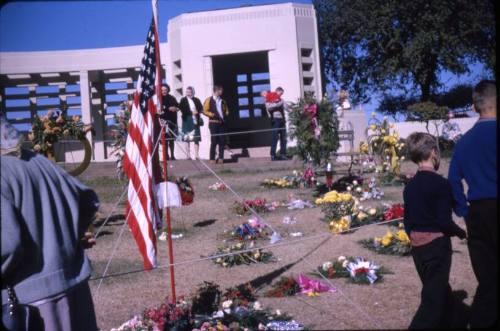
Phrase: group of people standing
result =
(429, 201)
(217, 111)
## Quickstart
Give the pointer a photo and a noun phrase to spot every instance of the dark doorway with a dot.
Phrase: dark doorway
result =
(243, 77)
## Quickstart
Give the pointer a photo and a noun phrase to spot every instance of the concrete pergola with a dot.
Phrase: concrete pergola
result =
(280, 40)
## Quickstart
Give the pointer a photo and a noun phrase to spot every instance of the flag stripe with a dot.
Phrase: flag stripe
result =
(141, 161)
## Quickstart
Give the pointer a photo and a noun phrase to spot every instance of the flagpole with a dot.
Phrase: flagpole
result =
(164, 147)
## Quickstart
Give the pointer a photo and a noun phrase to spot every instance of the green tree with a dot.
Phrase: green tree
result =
(374, 46)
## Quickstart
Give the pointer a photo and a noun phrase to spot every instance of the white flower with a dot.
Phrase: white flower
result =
(261, 326)
(372, 211)
(402, 158)
(349, 188)
(358, 189)
(345, 263)
(227, 304)
(218, 314)
(354, 182)
(341, 258)
(278, 312)
(327, 265)
(257, 305)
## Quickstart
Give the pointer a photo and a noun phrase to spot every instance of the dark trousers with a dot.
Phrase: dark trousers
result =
(433, 263)
(171, 134)
(217, 138)
(279, 130)
(482, 235)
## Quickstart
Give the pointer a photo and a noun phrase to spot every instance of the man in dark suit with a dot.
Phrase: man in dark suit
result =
(170, 107)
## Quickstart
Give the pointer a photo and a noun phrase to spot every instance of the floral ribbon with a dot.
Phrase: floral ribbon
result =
(313, 287)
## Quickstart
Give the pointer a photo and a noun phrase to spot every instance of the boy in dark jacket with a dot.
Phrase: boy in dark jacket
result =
(428, 222)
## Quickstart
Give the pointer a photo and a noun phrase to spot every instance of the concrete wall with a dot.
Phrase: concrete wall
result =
(406, 128)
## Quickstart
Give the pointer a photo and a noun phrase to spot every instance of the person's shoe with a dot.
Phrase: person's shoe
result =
(275, 158)
(173, 158)
(284, 157)
(212, 161)
(219, 161)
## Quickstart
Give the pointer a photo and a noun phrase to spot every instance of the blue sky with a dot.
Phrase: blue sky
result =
(59, 25)
(45, 25)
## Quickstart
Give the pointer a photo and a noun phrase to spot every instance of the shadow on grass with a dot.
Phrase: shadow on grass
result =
(268, 278)
(113, 219)
(205, 223)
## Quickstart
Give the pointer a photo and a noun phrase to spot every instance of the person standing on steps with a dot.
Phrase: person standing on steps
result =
(215, 108)
(191, 108)
(275, 108)
(475, 161)
(170, 107)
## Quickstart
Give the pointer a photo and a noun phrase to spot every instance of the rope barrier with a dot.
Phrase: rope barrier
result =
(270, 246)
(227, 186)
(209, 135)
(123, 225)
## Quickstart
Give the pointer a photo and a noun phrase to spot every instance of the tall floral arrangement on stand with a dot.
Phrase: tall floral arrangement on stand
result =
(49, 129)
(383, 141)
(314, 125)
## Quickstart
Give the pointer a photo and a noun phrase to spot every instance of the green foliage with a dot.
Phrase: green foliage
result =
(373, 46)
(311, 148)
(425, 112)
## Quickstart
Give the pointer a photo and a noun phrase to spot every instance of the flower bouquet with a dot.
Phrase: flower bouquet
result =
(218, 186)
(209, 309)
(284, 287)
(186, 190)
(253, 229)
(366, 216)
(357, 270)
(47, 130)
(337, 208)
(392, 243)
(296, 180)
(229, 261)
(396, 211)
(242, 208)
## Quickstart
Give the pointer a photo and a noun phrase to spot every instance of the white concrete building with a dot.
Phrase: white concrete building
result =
(245, 49)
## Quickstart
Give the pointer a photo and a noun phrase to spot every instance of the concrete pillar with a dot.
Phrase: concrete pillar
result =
(85, 101)
(63, 106)
(3, 107)
(32, 98)
(98, 122)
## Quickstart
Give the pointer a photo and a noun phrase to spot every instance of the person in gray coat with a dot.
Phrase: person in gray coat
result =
(45, 215)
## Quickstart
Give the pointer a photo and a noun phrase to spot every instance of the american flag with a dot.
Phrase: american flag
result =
(141, 157)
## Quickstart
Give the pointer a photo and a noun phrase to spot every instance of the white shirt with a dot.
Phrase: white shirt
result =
(218, 104)
(191, 104)
(192, 107)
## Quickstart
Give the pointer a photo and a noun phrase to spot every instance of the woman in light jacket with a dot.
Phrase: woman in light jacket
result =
(191, 108)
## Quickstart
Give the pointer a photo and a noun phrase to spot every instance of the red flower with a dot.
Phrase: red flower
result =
(361, 271)
(396, 211)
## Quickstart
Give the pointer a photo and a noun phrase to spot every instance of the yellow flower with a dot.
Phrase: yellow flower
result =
(373, 127)
(372, 211)
(256, 255)
(385, 242)
(402, 236)
(362, 215)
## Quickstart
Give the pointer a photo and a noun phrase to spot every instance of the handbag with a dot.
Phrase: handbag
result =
(20, 317)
